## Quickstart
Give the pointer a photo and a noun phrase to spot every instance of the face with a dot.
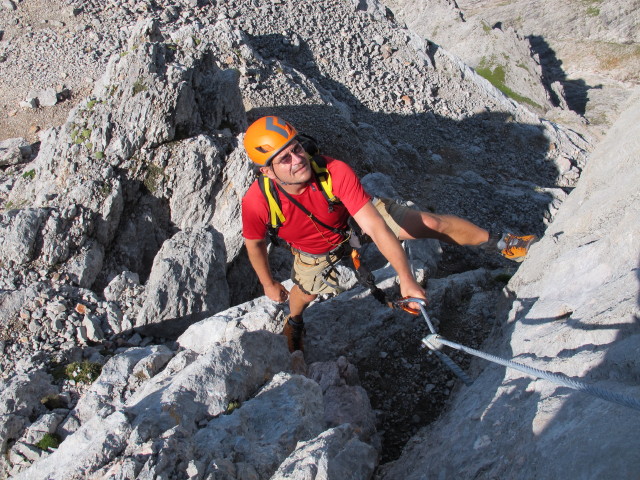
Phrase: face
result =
(290, 165)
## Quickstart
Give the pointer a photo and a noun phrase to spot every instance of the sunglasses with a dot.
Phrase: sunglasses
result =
(285, 158)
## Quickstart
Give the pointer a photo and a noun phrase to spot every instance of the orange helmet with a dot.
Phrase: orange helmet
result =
(266, 137)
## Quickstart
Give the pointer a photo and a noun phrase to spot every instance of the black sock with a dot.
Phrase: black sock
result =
(491, 245)
(296, 319)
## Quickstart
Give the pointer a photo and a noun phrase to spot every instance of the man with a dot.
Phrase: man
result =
(315, 232)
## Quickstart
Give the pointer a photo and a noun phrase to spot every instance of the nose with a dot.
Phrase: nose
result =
(298, 157)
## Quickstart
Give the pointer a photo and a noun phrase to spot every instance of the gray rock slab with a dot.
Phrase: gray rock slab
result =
(206, 386)
(258, 314)
(294, 406)
(334, 454)
(96, 443)
(572, 309)
(187, 283)
(14, 151)
(109, 390)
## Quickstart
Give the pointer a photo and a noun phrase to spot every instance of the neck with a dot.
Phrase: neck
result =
(292, 188)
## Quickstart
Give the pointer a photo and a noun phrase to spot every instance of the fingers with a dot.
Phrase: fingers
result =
(284, 295)
(414, 291)
(276, 292)
(415, 307)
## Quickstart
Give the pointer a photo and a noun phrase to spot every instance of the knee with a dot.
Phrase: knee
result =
(433, 221)
(418, 224)
(302, 295)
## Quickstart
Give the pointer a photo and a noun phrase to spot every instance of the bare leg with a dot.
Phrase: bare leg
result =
(447, 228)
(298, 301)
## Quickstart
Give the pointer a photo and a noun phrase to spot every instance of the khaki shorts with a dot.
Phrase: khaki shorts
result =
(313, 273)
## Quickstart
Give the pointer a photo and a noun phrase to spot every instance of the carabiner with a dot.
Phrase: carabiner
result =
(403, 304)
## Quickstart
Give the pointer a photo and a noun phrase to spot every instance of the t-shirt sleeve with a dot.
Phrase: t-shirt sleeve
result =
(255, 214)
(347, 186)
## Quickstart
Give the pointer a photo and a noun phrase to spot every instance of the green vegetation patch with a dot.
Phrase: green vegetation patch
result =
(50, 440)
(139, 86)
(105, 189)
(232, 406)
(81, 372)
(29, 175)
(153, 177)
(496, 74)
(15, 206)
(593, 9)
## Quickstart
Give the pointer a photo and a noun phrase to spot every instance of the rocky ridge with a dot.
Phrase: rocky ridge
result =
(588, 49)
(103, 230)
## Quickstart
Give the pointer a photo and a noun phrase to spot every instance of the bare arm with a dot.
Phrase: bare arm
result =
(374, 225)
(257, 252)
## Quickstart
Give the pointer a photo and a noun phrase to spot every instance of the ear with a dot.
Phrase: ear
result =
(268, 172)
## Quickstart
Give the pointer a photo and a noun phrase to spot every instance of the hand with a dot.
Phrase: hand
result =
(276, 292)
(413, 289)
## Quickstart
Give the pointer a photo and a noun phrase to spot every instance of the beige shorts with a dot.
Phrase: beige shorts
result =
(314, 273)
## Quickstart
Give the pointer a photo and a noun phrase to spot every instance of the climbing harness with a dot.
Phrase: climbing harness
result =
(353, 238)
(435, 342)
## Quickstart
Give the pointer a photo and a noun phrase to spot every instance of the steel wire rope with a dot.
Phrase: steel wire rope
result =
(556, 378)
(435, 341)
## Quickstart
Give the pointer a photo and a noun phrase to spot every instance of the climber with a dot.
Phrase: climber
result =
(308, 200)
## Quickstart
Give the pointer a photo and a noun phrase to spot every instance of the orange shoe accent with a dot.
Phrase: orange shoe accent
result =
(517, 247)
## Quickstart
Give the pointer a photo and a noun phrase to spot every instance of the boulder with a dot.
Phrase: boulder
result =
(18, 230)
(14, 151)
(20, 401)
(187, 283)
(336, 453)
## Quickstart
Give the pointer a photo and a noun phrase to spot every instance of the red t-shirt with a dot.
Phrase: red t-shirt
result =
(299, 230)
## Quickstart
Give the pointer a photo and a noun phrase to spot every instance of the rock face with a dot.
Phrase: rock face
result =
(232, 411)
(583, 36)
(14, 151)
(502, 56)
(122, 263)
(588, 52)
(575, 311)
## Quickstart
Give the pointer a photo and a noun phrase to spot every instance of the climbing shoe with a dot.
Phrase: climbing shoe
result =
(514, 247)
(294, 331)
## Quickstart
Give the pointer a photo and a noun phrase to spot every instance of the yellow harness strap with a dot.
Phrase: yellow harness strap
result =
(276, 217)
(324, 178)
